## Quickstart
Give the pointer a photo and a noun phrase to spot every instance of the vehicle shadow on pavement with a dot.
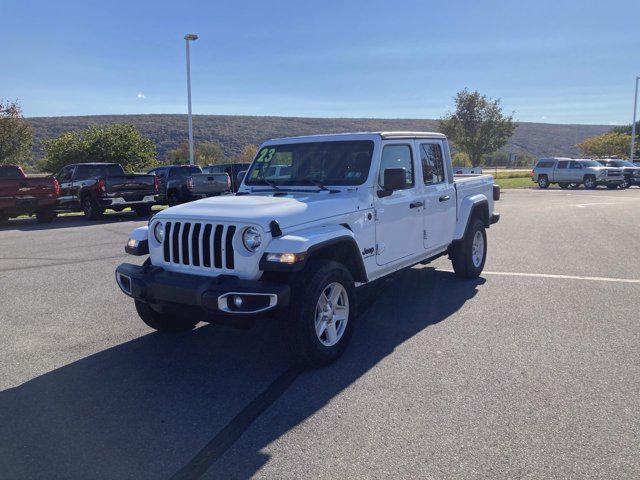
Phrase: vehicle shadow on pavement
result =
(30, 224)
(145, 408)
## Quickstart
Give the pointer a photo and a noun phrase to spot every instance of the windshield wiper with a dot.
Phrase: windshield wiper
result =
(269, 182)
(313, 182)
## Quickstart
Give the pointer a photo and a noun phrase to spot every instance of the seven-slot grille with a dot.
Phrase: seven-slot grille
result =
(198, 244)
(614, 173)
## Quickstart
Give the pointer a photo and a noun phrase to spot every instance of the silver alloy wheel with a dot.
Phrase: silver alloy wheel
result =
(589, 182)
(332, 314)
(477, 249)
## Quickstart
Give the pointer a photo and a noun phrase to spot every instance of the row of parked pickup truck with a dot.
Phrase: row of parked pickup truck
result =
(571, 173)
(93, 188)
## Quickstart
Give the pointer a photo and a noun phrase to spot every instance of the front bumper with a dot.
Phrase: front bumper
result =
(610, 181)
(213, 295)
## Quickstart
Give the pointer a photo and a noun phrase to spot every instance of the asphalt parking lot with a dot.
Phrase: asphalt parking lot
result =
(532, 371)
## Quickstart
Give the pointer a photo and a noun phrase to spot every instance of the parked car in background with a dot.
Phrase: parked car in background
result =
(630, 171)
(567, 172)
(203, 185)
(172, 183)
(354, 208)
(231, 169)
(94, 187)
(22, 195)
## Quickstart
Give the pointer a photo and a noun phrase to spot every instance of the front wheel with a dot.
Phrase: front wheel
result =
(626, 183)
(163, 322)
(470, 253)
(142, 210)
(322, 314)
(91, 209)
(590, 183)
(45, 216)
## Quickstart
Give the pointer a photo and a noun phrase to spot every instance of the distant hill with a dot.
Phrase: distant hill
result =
(233, 132)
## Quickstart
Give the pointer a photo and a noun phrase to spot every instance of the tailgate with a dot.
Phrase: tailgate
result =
(210, 183)
(131, 184)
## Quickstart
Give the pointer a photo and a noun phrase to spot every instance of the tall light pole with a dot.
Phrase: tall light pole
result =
(190, 37)
(633, 125)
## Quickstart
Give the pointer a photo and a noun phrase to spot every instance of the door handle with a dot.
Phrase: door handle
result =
(416, 205)
(444, 198)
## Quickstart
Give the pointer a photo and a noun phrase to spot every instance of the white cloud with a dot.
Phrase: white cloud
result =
(141, 95)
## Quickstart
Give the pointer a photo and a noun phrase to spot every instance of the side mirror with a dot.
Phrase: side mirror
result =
(394, 179)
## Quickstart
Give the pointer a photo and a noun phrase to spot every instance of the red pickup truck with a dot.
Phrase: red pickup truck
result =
(22, 195)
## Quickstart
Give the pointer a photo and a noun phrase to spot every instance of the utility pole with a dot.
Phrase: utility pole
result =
(633, 125)
(187, 38)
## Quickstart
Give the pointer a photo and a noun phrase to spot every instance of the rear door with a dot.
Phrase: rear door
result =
(399, 215)
(439, 212)
(575, 172)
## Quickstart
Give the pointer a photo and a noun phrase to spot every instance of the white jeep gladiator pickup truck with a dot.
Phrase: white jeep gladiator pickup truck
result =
(314, 218)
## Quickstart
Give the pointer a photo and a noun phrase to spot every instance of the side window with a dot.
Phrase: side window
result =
(563, 164)
(432, 163)
(576, 165)
(397, 156)
(65, 174)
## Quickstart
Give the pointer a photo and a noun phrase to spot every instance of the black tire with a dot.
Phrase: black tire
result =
(142, 210)
(46, 215)
(91, 209)
(543, 181)
(305, 345)
(4, 218)
(462, 254)
(590, 182)
(574, 186)
(613, 187)
(564, 185)
(173, 198)
(163, 322)
(627, 182)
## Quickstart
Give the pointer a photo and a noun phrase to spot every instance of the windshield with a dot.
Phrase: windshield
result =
(590, 163)
(331, 163)
(93, 171)
(623, 163)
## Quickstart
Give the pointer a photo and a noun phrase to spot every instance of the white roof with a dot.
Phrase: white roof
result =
(360, 136)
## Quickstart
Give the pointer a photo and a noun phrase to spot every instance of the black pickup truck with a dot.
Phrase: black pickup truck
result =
(94, 187)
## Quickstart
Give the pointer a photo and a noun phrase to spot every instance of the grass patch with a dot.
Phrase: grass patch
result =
(518, 182)
(507, 174)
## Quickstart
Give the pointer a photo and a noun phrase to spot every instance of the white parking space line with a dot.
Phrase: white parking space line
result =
(582, 205)
(561, 277)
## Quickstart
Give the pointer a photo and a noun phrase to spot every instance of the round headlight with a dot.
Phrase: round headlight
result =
(158, 232)
(251, 239)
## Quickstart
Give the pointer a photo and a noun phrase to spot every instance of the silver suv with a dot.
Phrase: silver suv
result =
(567, 172)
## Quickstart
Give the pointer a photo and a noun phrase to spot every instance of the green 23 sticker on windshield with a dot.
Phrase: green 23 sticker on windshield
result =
(266, 154)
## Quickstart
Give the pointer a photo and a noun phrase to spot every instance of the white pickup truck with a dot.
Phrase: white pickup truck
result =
(338, 211)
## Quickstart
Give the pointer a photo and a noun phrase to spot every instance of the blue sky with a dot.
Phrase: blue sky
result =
(555, 62)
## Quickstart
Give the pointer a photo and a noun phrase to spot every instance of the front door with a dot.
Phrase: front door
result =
(439, 213)
(65, 181)
(398, 216)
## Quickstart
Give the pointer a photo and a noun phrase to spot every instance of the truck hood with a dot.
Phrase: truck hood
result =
(288, 210)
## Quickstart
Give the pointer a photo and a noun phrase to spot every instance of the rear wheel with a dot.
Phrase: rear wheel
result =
(470, 253)
(142, 210)
(91, 209)
(590, 182)
(46, 215)
(543, 181)
(323, 314)
(4, 218)
(626, 183)
(163, 322)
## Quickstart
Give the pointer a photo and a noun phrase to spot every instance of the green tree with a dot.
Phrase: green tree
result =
(16, 135)
(477, 127)
(117, 143)
(248, 153)
(205, 153)
(612, 144)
